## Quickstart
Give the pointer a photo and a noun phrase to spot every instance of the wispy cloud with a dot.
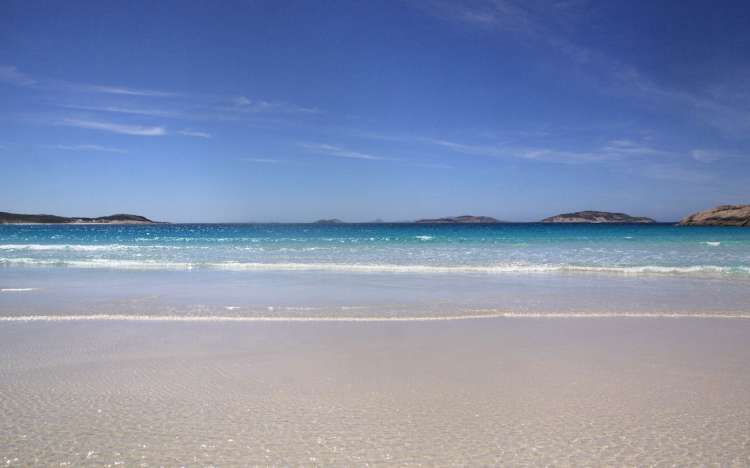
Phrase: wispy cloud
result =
(124, 110)
(675, 172)
(613, 150)
(719, 110)
(104, 149)
(548, 24)
(712, 155)
(261, 160)
(115, 128)
(339, 152)
(432, 165)
(620, 149)
(143, 101)
(125, 91)
(194, 133)
(10, 74)
(244, 104)
(527, 18)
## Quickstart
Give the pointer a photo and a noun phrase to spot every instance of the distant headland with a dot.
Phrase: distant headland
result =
(597, 217)
(329, 221)
(725, 215)
(17, 218)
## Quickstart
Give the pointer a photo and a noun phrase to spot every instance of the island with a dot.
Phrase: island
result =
(597, 217)
(466, 219)
(329, 221)
(17, 218)
(724, 215)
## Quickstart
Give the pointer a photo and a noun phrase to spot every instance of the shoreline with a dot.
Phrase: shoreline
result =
(366, 319)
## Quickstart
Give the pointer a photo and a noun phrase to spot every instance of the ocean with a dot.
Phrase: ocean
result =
(367, 271)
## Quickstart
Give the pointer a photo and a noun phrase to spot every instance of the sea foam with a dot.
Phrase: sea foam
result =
(503, 268)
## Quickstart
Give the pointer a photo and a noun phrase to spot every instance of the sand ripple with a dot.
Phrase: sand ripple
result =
(496, 392)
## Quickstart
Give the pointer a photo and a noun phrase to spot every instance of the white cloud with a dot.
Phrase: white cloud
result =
(104, 149)
(202, 107)
(115, 128)
(193, 133)
(432, 165)
(614, 150)
(245, 105)
(242, 101)
(338, 152)
(124, 110)
(126, 91)
(618, 149)
(669, 171)
(10, 74)
(498, 14)
(261, 160)
(712, 155)
(731, 118)
(548, 24)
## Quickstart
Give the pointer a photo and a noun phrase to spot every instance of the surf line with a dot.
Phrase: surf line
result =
(225, 318)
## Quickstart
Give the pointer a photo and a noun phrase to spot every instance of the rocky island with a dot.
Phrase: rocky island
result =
(17, 218)
(725, 215)
(466, 219)
(329, 221)
(597, 217)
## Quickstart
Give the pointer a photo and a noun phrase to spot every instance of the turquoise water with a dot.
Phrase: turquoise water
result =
(371, 271)
(409, 248)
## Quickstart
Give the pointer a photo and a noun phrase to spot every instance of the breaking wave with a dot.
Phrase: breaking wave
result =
(696, 270)
(68, 247)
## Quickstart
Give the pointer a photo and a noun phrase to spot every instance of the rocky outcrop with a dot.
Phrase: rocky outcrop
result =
(597, 217)
(725, 215)
(466, 219)
(16, 218)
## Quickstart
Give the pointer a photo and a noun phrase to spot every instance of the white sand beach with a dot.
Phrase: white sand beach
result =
(509, 391)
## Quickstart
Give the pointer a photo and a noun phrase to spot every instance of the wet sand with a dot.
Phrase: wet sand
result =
(513, 391)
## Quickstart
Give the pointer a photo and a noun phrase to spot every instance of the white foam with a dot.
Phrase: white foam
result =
(439, 318)
(713, 243)
(424, 238)
(16, 289)
(382, 268)
(67, 247)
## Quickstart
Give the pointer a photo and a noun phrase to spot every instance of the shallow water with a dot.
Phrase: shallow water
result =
(212, 295)
(376, 271)
(516, 391)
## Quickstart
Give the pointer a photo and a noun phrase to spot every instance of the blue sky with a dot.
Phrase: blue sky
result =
(294, 111)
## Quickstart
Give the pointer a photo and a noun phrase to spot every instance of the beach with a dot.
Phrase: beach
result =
(225, 345)
(520, 391)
